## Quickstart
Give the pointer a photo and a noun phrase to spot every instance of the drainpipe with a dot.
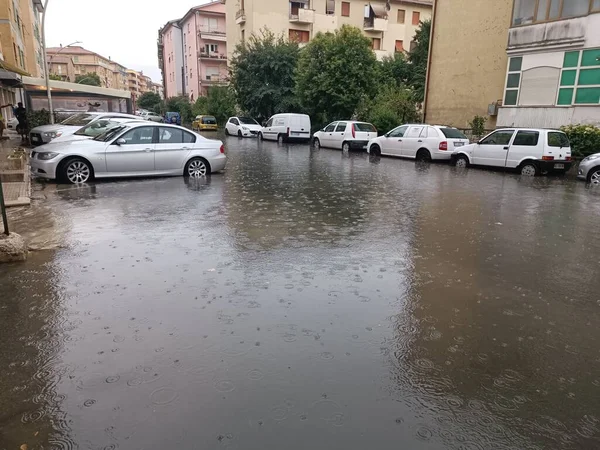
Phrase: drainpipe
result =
(428, 72)
(197, 50)
(46, 72)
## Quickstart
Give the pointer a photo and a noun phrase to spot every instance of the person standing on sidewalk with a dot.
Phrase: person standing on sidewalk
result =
(21, 115)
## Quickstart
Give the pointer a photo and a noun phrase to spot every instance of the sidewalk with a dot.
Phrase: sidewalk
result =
(14, 170)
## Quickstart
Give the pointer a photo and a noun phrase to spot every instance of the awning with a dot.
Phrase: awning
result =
(9, 78)
(377, 10)
(10, 68)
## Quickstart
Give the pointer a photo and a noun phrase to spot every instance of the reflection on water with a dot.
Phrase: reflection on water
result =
(309, 298)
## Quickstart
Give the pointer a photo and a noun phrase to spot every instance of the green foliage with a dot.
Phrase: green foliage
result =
(392, 106)
(55, 77)
(585, 139)
(150, 101)
(200, 107)
(262, 74)
(90, 78)
(478, 126)
(418, 58)
(395, 69)
(221, 103)
(42, 117)
(335, 71)
(182, 106)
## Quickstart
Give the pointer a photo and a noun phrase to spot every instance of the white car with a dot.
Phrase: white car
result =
(286, 127)
(419, 141)
(94, 129)
(242, 127)
(130, 149)
(530, 151)
(345, 135)
(45, 133)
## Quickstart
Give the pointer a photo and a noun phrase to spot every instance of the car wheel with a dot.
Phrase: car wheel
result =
(375, 150)
(280, 139)
(240, 133)
(316, 143)
(423, 155)
(227, 133)
(196, 168)
(76, 171)
(346, 147)
(594, 176)
(462, 162)
(260, 136)
(529, 170)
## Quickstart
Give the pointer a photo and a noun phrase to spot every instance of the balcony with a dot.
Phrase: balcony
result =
(213, 35)
(375, 24)
(213, 80)
(302, 16)
(240, 17)
(213, 56)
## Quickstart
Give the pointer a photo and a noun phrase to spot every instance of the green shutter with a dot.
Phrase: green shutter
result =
(565, 96)
(587, 96)
(513, 80)
(568, 78)
(589, 77)
(571, 59)
(510, 99)
(515, 64)
(591, 57)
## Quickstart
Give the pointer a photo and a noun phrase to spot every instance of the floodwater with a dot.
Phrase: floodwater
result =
(307, 299)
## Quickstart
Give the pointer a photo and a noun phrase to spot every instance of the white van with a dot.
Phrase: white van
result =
(286, 127)
(530, 151)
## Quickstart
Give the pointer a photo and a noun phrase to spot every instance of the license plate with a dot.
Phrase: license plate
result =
(559, 166)
(295, 134)
(459, 144)
(34, 139)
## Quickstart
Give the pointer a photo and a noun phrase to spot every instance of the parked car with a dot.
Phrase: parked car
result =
(242, 127)
(286, 127)
(130, 149)
(419, 141)
(530, 151)
(345, 135)
(205, 123)
(589, 169)
(153, 117)
(45, 133)
(94, 129)
(12, 123)
(173, 117)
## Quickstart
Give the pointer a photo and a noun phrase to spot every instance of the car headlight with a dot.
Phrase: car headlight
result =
(45, 156)
(50, 134)
(245, 128)
(591, 158)
(59, 134)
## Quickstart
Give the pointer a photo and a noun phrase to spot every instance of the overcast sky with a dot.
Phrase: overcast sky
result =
(125, 30)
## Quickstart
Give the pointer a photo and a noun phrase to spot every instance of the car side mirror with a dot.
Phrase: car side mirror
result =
(121, 141)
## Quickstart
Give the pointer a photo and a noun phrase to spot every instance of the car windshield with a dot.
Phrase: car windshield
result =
(79, 119)
(558, 139)
(247, 121)
(96, 128)
(453, 133)
(364, 127)
(110, 133)
(209, 120)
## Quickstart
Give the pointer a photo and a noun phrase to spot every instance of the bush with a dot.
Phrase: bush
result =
(391, 107)
(182, 106)
(42, 117)
(585, 139)
(478, 126)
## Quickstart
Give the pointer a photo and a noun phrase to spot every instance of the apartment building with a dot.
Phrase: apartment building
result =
(391, 25)
(193, 51)
(20, 36)
(528, 63)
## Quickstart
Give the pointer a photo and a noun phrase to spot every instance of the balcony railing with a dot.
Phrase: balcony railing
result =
(303, 16)
(214, 79)
(240, 17)
(202, 54)
(375, 24)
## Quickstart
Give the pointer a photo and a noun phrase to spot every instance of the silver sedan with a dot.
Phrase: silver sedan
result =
(589, 169)
(128, 150)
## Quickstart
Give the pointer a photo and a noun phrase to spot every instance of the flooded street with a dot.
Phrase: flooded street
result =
(308, 299)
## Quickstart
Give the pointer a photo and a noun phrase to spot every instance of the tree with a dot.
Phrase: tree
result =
(220, 103)
(418, 58)
(200, 107)
(335, 71)
(392, 106)
(395, 69)
(149, 101)
(90, 78)
(182, 106)
(262, 74)
(55, 77)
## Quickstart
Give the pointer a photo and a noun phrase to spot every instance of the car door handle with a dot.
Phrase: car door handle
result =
(505, 148)
(419, 140)
(399, 140)
(147, 150)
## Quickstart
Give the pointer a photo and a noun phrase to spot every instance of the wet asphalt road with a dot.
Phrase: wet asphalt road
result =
(308, 299)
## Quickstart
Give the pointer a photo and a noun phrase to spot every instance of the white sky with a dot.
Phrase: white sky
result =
(125, 30)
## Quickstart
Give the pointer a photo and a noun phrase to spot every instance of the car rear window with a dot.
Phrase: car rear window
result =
(79, 120)
(453, 133)
(558, 139)
(367, 127)
(209, 120)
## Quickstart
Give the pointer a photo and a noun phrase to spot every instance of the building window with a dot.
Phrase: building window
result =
(376, 44)
(346, 9)
(413, 45)
(526, 12)
(244, 34)
(210, 48)
(416, 17)
(513, 81)
(401, 15)
(399, 46)
(580, 78)
(330, 7)
(300, 36)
